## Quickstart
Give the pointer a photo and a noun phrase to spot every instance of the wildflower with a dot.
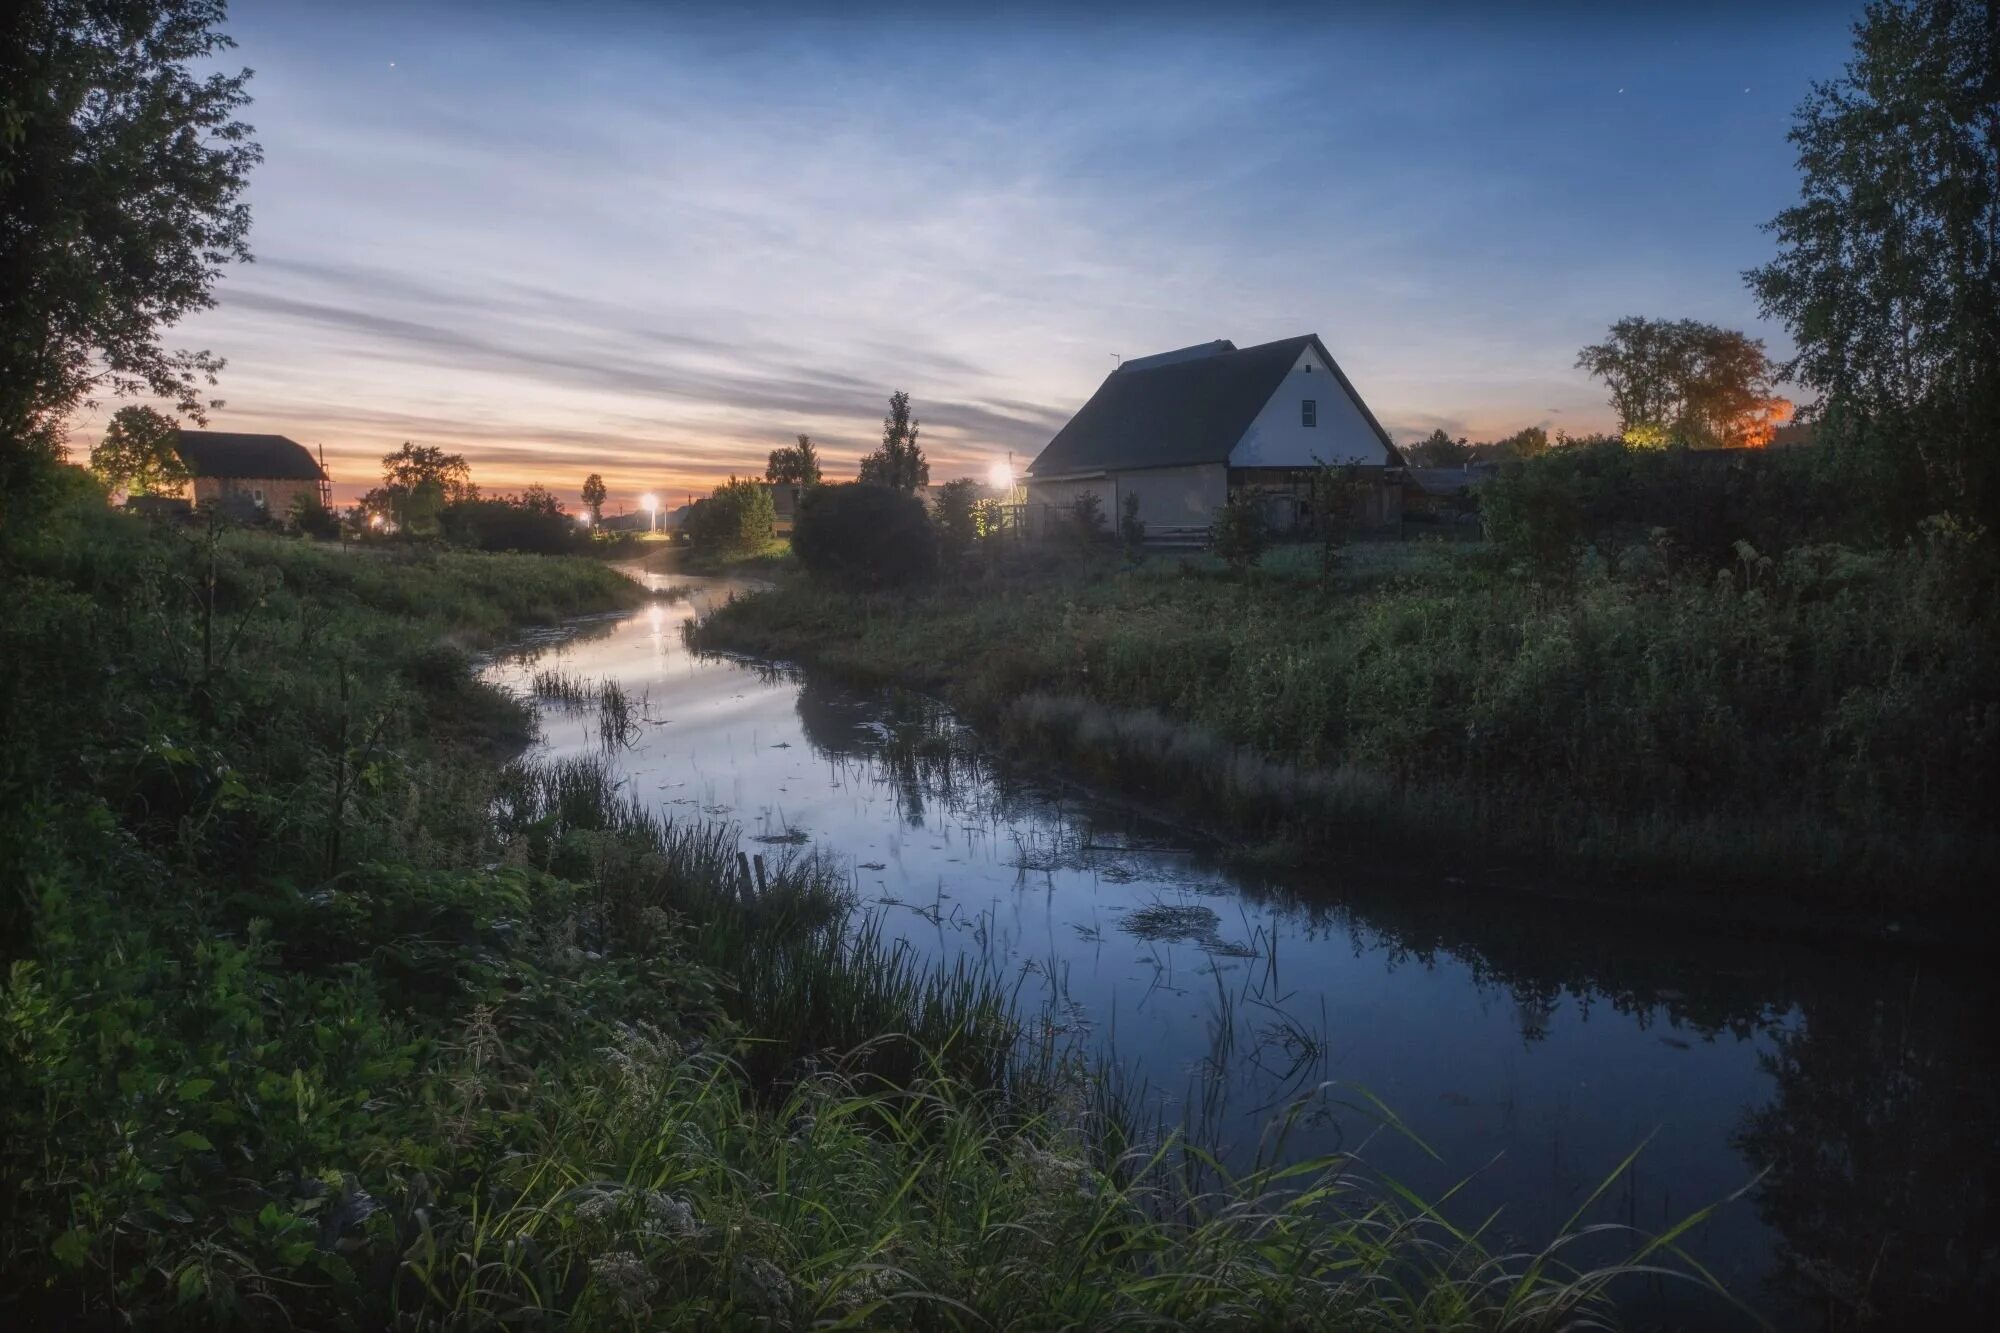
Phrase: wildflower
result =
(623, 1277)
(597, 1207)
(675, 1215)
(763, 1285)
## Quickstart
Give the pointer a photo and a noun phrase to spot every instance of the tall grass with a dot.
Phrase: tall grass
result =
(1826, 724)
(321, 1014)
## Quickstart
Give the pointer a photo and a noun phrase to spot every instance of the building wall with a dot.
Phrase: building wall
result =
(1168, 496)
(273, 495)
(1342, 433)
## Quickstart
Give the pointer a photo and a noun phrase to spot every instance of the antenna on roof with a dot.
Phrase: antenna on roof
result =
(1119, 359)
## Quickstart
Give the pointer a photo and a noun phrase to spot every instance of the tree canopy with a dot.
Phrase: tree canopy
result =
(796, 465)
(1888, 267)
(594, 495)
(138, 453)
(1680, 381)
(122, 166)
(898, 462)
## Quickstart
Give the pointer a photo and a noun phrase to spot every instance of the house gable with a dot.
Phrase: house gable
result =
(1342, 430)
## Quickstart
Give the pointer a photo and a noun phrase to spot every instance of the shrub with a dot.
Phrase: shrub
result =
(955, 508)
(1086, 518)
(1131, 528)
(739, 519)
(508, 523)
(863, 534)
(1238, 532)
(312, 518)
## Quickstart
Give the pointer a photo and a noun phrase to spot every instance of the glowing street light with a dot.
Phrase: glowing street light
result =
(649, 502)
(1000, 476)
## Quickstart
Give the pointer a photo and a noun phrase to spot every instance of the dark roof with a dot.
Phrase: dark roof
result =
(1184, 407)
(1450, 480)
(221, 453)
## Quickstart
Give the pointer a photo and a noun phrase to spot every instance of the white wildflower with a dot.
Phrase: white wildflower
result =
(624, 1278)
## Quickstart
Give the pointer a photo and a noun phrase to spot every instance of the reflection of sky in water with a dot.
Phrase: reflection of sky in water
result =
(1523, 1045)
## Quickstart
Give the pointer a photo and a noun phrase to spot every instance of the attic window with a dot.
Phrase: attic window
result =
(1309, 367)
(1308, 412)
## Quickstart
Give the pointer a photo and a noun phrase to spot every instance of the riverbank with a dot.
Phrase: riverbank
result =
(322, 1010)
(1817, 732)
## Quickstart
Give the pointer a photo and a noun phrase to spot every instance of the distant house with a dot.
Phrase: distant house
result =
(1186, 430)
(252, 473)
(784, 505)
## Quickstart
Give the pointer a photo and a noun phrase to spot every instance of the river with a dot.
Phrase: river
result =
(1837, 1104)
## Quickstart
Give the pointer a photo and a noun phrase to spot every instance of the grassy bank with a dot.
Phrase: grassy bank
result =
(1825, 726)
(322, 1011)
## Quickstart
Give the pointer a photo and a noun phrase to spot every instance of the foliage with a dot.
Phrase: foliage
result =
(1438, 450)
(898, 462)
(531, 522)
(122, 164)
(864, 535)
(738, 519)
(139, 453)
(1238, 534)
(1685, 382)
(955, 510)
(1131, 528)
(1888, 271)
(794, 466)
(1086, 519)
(1336, 492)
(1818, 719)
(312, 518)
(594, 495)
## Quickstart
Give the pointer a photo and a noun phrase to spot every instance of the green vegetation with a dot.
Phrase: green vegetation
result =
(1823, 720)
(321, 1011)
(738, 520)
(863, 535)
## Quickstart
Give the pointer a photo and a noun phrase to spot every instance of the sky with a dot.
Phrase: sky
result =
(656, 242)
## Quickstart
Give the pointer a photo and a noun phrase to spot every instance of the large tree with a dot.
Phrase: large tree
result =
(1888, 267)
(138, 453)
(122, 166)
(797, 465)
(418, 482)
(594, 495)
(1438, 449)
(898, 462)
(1679, 381)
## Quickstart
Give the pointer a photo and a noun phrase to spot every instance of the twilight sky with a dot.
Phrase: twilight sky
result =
(656, 242)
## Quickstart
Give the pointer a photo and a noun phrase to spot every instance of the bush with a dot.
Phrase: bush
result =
(314, 519)
(504, 523)
(739, 519)
(955, 508)
(865, 535)
(1131, 528)
(1086, 518)
(1238, 532)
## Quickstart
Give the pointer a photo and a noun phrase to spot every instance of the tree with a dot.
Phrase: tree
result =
(955, 511)
(415, 464)
(1439, 450)
(738, 519)
(1888, 267)
(1530, 442)
(138, 453)
(1336, 491)
(795, 466)
(862, 534)
(899, 461)
(1237, 534)
(1684, 382)
(121, 171)
(593, 497)
(1086, 518)
(1131, 528)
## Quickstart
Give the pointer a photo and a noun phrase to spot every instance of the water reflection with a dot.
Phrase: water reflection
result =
(1529, 1044)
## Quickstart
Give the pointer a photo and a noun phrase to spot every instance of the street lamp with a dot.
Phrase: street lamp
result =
(649, 502)
(1000, 477)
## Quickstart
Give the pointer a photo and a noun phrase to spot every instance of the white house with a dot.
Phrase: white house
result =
(1184, 430)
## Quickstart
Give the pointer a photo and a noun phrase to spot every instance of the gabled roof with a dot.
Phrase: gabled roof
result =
(1184, 407)
(220, 453)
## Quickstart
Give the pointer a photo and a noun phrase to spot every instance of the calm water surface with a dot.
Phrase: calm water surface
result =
(1846, 1100)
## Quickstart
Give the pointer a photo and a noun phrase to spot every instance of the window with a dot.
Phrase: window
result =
(1308, 412)
(258, 495)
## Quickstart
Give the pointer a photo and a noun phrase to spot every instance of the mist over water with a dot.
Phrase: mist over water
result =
(1524, 1048)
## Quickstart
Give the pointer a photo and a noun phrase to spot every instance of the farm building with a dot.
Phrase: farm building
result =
(1186, 430)
(266, 473)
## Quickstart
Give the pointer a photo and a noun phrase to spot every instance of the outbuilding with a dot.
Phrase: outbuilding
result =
(252, 473)
(1185, 430)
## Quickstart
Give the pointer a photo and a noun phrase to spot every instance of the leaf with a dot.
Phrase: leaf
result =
(194, 1089)
(191, 1285)
(193, 1142)
(72, 1247)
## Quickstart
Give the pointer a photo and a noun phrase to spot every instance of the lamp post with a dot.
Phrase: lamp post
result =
(649, 502)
